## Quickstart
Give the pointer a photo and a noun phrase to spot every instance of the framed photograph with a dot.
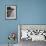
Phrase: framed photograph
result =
(10, 12)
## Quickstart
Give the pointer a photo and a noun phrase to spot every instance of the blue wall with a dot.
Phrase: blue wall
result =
(28, 12)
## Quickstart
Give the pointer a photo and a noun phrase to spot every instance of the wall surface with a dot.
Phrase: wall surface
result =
(28, 12)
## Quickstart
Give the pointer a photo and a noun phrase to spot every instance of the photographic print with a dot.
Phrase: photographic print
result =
(11, 12)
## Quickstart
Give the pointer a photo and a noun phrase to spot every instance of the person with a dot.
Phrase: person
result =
(9, 11)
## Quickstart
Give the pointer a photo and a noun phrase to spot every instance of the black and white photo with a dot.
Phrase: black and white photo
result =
(11, 12)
